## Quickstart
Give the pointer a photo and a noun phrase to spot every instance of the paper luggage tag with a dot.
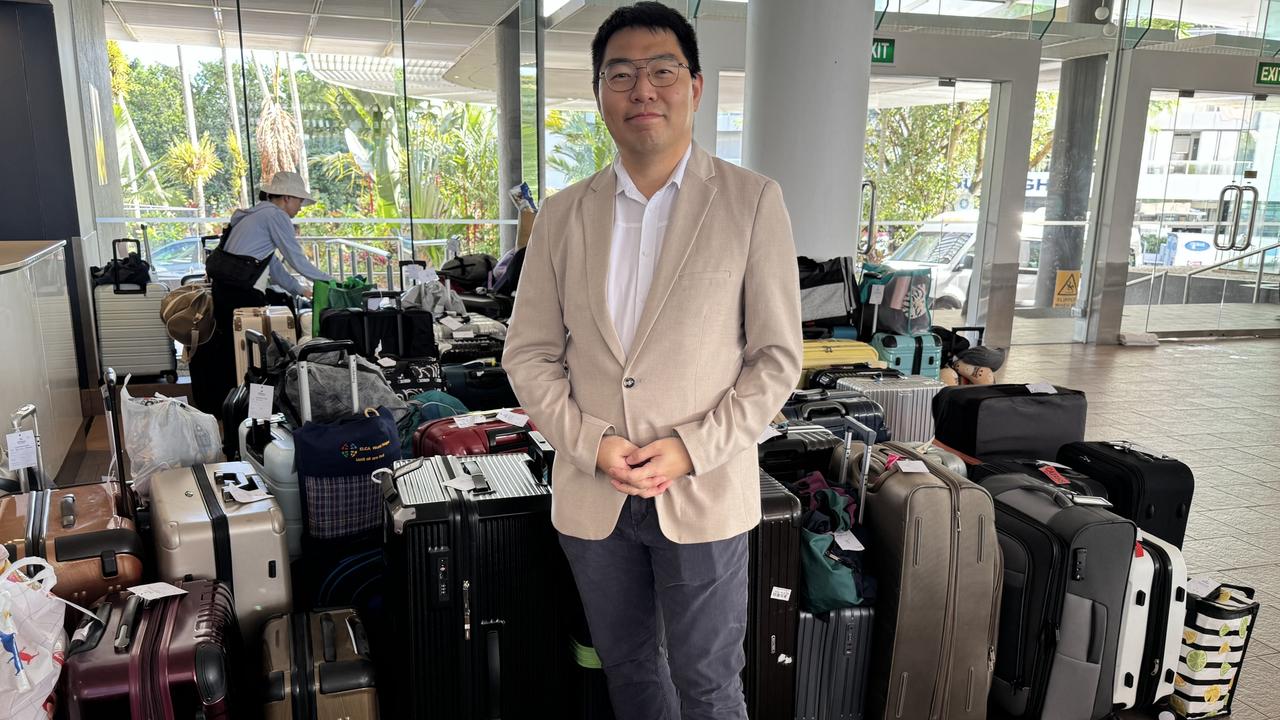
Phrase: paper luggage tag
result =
(463, 334)
(156, 590)
(260, 398)
(244, 497)
(1042, 388)
(877, 295)
(1201, 587)
(22, 449)
(912, 466)
(512, 418)
(780, 593)
(847, 541)
(768, 434)
(451, 322)
(464, 421)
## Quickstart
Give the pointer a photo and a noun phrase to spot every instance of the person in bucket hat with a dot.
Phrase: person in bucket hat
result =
(257, 245)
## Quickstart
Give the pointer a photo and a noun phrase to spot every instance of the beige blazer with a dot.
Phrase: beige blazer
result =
(716, 353)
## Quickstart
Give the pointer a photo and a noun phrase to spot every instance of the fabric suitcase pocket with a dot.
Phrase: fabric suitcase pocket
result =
(341, 506)
(1077, 661)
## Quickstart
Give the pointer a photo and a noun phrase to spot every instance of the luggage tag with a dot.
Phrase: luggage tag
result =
(1042, 388)
(512, 418)
(769, 433)
(22, 449)
(156, 591)
(260, 400)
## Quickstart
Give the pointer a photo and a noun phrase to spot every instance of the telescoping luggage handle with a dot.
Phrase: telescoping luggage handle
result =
(406, 263)
(143, 253)
(111, 403)
(853, 427)
(304, 384)
(33, 478)
(399, 310)
(256, 370)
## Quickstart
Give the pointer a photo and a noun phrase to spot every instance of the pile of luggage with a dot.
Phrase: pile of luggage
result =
(378, 542)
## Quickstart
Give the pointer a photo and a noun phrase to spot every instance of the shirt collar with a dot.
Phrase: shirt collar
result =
(628, 187)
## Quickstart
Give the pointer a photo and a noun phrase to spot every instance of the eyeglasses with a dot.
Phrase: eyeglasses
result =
(622, 75)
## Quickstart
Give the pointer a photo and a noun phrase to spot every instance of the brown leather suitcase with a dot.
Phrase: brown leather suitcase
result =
(318, 667)
(84, 531)
(934, 553)
(172, 658)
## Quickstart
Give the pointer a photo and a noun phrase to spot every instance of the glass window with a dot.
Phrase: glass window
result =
(180, 251)
(933, 247)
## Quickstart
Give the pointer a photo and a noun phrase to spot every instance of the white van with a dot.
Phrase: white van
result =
(945, 245)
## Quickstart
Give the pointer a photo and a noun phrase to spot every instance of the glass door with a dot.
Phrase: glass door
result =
(925, 154)
(1199, 256)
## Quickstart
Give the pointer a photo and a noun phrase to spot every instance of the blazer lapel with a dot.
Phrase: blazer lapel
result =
(597, 235)
(686, 220)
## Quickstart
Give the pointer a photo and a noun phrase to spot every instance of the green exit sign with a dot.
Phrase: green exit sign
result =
(1268, 74)
(882, 51)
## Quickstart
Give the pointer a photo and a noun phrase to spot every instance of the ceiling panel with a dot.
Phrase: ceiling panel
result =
(384, 9)
(361, 30)
(292, 6)
(165, 16)
(474, 12)
(440, 34)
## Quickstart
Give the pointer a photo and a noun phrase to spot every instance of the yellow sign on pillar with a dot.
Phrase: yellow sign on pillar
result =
(1066, 289)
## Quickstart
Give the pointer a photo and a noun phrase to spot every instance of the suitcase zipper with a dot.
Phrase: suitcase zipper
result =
(1051, 619)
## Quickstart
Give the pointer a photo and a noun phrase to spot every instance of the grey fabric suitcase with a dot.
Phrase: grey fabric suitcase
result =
(201, 532)
(832, 658)
(934, 553)
(907, 403)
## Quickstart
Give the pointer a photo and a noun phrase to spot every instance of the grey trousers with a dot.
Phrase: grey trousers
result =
(634, 585)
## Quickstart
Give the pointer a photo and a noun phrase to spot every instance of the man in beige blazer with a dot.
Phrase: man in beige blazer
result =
(655, 334)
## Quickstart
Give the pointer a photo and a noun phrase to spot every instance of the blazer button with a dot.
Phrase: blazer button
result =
(629, 383)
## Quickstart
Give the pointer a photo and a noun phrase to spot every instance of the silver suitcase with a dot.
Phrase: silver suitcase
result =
(201, 532)
(907, 403)
(131, 336)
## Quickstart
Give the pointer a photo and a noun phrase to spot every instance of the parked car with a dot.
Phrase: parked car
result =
(175, 260)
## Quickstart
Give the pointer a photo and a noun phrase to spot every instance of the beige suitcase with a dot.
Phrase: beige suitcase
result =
(265, 320)
(202, 532)
(318, 666)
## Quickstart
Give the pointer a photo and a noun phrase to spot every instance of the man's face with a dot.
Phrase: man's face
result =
(648, 120)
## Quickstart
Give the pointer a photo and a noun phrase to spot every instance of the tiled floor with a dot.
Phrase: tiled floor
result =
(1216, 407)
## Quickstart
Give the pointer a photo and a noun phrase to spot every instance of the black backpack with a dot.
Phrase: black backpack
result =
(469, 271)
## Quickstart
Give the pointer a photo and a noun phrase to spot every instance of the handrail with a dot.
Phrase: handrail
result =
(1186, 288)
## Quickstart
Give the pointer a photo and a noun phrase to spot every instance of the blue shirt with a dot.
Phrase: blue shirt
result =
(262, 230)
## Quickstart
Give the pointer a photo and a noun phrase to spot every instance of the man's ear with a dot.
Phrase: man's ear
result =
(697, 91)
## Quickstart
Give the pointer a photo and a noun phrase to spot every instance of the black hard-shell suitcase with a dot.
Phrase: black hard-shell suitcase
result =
(1066, 565)
(796, 451)
(768, 679)
(828, 408)
(1000, 421)
(1150, 488)
(479, 386)
(479, 633)
(1051, 472)
(827, 378)
(833, 655)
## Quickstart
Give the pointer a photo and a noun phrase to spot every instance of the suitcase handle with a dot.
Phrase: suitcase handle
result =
(359, 638)
(115, 430)
(399, 312)
(329, 638)
(252, 339)
(820, 408)
(128, 621)
(304, 378)
(34, 478)
(1060, 498)
(115, 248)
(90, 630)
(852, 427)
(493, 668)
(406, 263)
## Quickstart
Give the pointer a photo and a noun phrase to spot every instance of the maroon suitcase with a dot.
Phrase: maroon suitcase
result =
(487, 436)
(171, 659)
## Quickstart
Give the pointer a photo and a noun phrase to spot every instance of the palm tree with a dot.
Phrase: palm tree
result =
(191, 164)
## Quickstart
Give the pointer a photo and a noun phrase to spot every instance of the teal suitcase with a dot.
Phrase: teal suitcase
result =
(910, 354)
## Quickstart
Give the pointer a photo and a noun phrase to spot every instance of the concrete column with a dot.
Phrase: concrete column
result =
(808, 77)
(507, 37)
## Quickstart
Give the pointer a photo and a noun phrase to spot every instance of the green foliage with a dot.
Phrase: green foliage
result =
(121, 73)
(189, 164)
(587, 148)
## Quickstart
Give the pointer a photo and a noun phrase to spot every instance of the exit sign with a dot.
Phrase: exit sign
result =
(882, 51)
(1268, 74)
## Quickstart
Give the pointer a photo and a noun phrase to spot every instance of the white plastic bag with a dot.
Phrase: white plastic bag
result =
(162, 433)
(32, 641)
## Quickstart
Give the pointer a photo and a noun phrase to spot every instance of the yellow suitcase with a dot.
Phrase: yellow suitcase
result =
(828, 353)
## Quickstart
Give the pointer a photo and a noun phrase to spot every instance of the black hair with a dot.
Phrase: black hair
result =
(654, 16)
(264, 195)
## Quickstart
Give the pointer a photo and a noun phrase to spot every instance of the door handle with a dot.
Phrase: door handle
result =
(1218, 240)
(1253, 218)
(865, 248)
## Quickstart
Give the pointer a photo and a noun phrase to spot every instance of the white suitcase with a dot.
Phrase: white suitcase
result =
(271, 455)
(201, 532)
(1133, 628)
(273, 318)
(470, 325)
(131, 336)
(1165, 621)
(907, 403)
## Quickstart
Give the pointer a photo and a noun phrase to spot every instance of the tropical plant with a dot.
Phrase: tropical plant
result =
(121, 72)
(190, 164)
(239, 166)
(587, 146)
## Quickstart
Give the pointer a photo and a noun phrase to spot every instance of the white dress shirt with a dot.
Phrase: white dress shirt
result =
(639, 225)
